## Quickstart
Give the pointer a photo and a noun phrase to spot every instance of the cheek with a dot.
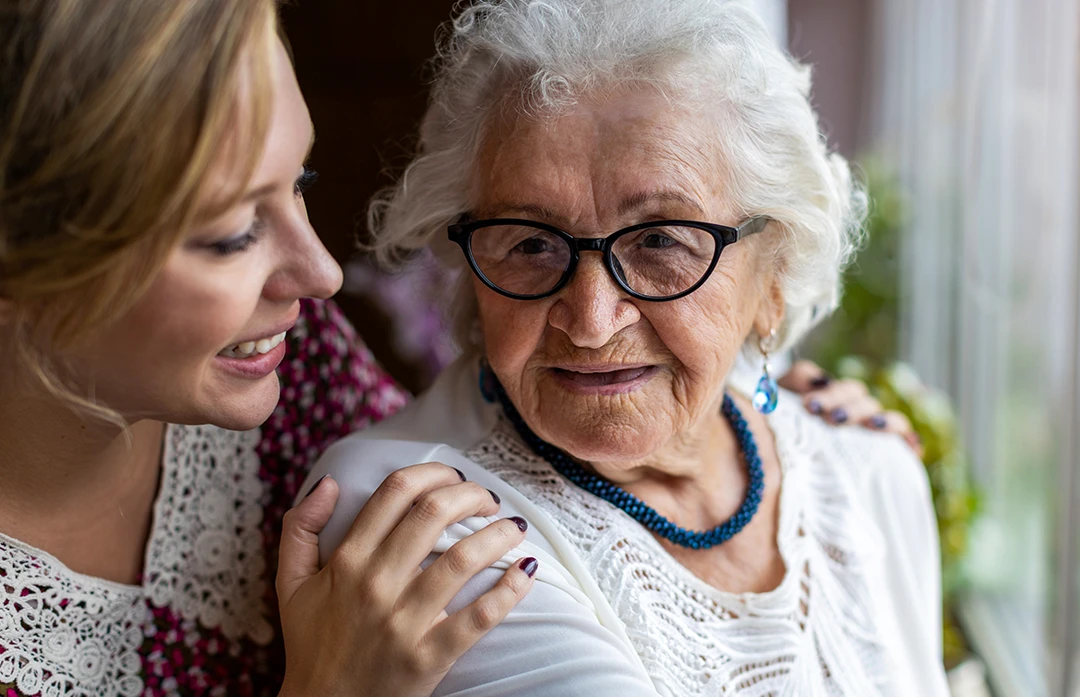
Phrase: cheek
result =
(512, 329)
(184, 319)
(705, 330)
(193, 318)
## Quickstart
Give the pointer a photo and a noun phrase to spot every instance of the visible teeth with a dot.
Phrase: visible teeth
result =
(250, 348)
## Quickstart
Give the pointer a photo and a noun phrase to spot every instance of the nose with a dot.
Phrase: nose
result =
(305, 268)
(592, 308)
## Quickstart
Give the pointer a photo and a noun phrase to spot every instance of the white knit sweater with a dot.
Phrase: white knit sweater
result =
(857, 613)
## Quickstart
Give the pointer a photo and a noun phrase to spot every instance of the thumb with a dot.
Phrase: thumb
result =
(299, 553)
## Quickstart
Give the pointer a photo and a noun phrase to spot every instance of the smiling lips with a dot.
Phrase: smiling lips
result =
(613, 381)
(603, 378)
(248, 349)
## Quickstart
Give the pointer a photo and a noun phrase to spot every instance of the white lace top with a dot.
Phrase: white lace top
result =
(857, 613)
(64, 633)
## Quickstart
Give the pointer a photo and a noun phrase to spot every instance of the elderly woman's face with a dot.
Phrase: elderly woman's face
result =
(604, 376)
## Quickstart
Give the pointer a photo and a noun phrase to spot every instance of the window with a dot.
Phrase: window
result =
(977, 109)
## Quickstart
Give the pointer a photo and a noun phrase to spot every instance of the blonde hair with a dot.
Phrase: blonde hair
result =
(112, 117)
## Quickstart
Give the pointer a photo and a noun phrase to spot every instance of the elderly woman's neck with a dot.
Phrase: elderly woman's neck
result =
(699, 478)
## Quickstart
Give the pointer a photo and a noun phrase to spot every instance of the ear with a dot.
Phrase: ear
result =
(770, 312)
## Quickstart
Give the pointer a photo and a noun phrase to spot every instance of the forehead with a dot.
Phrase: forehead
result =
(626, 145)
(287, 137)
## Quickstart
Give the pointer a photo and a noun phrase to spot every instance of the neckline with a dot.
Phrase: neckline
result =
(787, 531)
(645, 515)
(89, 579)
(67, 572)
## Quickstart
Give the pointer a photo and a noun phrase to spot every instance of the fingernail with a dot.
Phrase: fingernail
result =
(877, 421)
(528, 565)
(495, 496)
(315, 486)
(814, 406)
(838, 415)
(820, 382)
(461, 474)
(520, 522)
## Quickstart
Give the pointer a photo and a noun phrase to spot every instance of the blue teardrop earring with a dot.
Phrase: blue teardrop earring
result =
(767, 393)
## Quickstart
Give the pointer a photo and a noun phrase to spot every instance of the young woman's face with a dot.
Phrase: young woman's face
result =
(203, 344)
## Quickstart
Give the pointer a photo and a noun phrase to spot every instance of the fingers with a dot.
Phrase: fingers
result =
(803, 377)
(416, 535)
(849, 402)
(391, 502)
(299, 548)
(433, 590)
(460, 631)
(895, 422)
(841, 401)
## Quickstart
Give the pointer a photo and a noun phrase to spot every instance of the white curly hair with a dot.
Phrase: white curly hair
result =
(543, 56)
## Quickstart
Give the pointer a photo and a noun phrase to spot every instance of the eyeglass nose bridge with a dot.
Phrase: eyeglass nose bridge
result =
(589, 244)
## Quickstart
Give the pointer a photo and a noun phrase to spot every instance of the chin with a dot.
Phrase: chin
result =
(246, 410)
(607, 443)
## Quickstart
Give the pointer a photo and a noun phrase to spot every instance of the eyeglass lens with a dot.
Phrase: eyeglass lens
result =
(658, 261)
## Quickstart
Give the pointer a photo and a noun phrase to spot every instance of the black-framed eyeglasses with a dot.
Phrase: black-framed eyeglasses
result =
(657, 261)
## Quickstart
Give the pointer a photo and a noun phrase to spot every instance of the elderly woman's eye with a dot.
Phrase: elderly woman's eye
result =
(533, 245)
(657, 240)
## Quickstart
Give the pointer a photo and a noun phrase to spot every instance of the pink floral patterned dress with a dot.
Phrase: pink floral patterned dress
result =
(204, 619)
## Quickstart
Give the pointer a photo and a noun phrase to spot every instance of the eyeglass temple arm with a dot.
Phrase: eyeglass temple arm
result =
(750, 227)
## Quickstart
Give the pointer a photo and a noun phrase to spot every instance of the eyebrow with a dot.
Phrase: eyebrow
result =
(528, 209)
(636, 202)
(630, 204)
(270, 188)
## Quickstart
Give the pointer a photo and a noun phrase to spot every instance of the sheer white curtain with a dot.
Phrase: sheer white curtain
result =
(976, 107)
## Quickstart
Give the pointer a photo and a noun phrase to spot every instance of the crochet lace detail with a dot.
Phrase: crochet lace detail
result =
(64, 633)
(205, 560)
(813, 635)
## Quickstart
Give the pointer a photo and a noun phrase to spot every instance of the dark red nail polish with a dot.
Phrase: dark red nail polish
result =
(820, 382)
(315, 486)
(461, 474)
(529, 565)
(520, 522)
(495, 496)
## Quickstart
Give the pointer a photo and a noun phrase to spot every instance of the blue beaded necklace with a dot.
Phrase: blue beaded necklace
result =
(633, 506)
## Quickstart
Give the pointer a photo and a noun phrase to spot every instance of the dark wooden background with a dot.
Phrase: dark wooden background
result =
(362, 68)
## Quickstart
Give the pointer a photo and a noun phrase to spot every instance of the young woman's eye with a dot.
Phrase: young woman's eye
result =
(306, 181)
(235, 245)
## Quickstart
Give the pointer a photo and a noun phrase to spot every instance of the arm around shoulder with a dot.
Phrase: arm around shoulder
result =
(553, 642)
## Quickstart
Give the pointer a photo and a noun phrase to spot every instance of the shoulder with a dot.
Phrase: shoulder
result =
(874, 463)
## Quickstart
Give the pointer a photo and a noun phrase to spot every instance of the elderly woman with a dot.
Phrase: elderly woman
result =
(640, 190)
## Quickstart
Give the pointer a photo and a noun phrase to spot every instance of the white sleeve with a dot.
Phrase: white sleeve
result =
(549, 645)
(898, 495)
(561, 639)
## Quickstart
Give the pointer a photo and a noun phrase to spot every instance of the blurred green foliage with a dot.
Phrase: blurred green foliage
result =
(860, 341)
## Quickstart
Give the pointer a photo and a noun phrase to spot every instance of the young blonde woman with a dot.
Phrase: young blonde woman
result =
(170, 368)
